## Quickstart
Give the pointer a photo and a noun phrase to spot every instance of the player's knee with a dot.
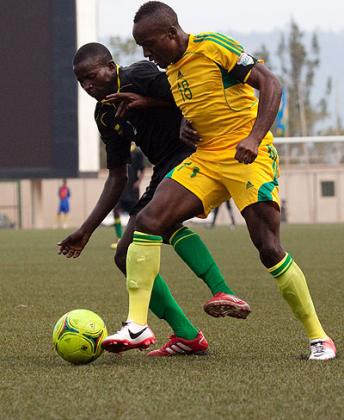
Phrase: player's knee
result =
(271, 253)
(149, 223)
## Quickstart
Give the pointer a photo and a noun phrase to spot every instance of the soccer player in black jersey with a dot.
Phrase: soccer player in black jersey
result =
(147, 116)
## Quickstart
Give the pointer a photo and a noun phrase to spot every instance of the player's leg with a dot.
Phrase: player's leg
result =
(186, 338)
(65, 213)
(263, 222)
(199, 175)
(255, 192)
(117, 226)
(162, 302)
(188, 244)
(131, 335)
(215, 214)
(193, 251)
(170, 204)
(59, 217)
(230, 212)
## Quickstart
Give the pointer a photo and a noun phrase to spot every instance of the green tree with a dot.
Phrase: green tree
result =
(298, 68)
(263, 54)
(124, 50)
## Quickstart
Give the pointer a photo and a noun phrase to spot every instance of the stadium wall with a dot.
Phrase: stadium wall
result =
(307, 194)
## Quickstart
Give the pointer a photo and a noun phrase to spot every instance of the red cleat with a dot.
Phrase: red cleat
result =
(180, 346)
(223, 304)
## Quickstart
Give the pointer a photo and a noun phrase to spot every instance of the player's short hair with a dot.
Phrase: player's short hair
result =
(92, 50)
(158, 11)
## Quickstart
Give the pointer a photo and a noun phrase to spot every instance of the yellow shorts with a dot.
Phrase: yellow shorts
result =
(215, 176)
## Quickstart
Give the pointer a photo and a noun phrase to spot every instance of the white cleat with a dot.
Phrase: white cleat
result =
(322, 349)
(130, 336)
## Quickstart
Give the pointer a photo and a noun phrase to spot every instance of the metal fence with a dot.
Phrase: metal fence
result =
(321, 150)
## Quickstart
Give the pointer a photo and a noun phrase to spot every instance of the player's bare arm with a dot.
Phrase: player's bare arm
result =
(130, 100)
(73, 245)
(270, 93)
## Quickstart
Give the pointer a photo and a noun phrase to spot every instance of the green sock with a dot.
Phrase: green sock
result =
(118, 227)
(189, 246)
(164, 306)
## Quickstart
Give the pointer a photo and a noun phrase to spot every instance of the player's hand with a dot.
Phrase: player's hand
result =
(125, 101)
(188, 134)
(72, 246)
(247, 150)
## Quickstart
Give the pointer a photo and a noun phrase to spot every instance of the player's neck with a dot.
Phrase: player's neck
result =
(183, 45)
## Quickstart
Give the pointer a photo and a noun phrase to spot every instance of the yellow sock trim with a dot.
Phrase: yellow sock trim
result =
(174, 234)
(148, 239)
(143, 263)
(281, 267)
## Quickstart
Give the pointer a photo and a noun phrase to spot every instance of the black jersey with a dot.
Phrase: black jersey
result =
(154, 130)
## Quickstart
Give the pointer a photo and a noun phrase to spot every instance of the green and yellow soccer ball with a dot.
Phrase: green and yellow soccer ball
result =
(77, 336)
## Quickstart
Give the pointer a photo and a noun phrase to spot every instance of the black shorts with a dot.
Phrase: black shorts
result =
(159, 173)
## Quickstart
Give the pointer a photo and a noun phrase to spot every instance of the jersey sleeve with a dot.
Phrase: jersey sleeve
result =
(150, 81)
(113, 135)
(228, 53)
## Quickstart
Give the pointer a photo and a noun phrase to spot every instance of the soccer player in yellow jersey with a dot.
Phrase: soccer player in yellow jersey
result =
(212, 80)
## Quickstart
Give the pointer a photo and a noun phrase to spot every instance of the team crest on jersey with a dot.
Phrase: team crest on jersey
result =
(245, 60)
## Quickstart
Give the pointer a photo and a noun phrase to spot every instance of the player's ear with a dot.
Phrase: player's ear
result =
(172, 32)
(112, 65)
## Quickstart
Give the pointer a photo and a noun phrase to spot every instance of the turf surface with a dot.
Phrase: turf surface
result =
(256, 368)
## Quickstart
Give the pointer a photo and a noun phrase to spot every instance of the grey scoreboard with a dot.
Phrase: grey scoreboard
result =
(39, 122)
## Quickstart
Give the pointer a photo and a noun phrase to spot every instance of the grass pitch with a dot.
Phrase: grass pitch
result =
(256, 368)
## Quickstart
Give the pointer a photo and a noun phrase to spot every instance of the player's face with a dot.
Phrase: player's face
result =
(96, 78)
(158, 45)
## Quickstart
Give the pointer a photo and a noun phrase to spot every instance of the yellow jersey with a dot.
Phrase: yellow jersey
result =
(221, 108)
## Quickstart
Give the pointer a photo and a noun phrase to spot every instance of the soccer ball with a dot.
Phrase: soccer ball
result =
(77, 336)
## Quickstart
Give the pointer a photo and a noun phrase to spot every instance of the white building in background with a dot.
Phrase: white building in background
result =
(311, 187)
(86, 12)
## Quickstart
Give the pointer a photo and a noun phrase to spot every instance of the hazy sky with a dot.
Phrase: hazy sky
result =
(115, 16)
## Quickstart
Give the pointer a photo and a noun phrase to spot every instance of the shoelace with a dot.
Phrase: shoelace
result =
(318, 347)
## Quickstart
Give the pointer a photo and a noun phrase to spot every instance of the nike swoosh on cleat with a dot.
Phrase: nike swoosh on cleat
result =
(135, 335)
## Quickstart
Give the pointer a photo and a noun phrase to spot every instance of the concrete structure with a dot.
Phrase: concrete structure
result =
(88, 133)
(313, 195)
(311, 187)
